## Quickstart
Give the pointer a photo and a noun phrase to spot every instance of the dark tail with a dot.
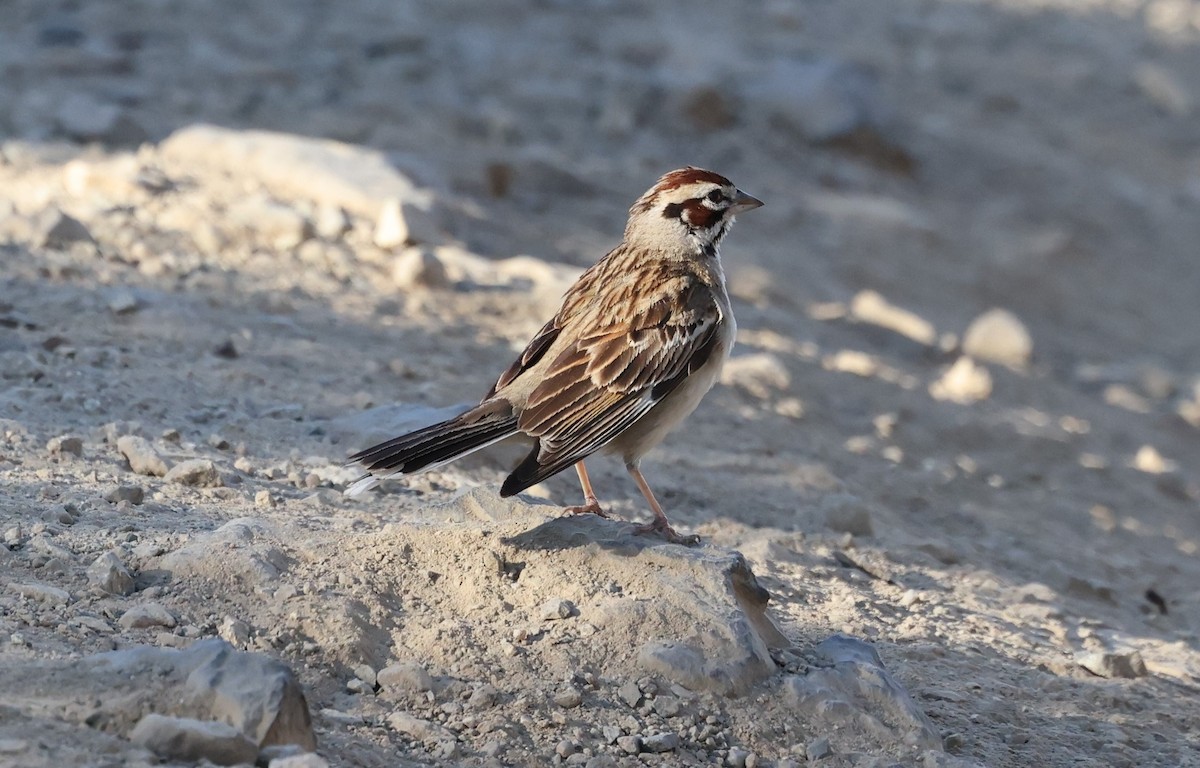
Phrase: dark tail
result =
(481, 426)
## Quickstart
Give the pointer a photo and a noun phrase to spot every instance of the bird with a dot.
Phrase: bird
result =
(639, 339)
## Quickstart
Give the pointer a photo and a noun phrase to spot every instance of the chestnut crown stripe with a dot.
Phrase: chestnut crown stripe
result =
(676, 179)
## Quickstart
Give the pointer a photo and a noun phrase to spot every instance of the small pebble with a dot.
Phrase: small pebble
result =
(818, 749)
(134, 494)
(566, 748)
(630, 694)
(555, 609)
(568, 699)
(1128, 664)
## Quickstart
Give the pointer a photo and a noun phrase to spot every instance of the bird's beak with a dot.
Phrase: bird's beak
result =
(744, 202)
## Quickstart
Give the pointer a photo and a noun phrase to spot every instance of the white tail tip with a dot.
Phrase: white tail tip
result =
(361, 485)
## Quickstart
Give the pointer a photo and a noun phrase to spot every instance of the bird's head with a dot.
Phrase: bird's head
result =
(690, 208)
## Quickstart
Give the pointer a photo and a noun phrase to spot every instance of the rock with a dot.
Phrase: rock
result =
(823, 99)
(965, 382)
(630, 694)
(737, 757)
(134, 494)
(421, 730)
(147, 615)
(661, 742)
(846, 513)
(108, 573)
(405, 676)
(43, 593)
(123, 302)
(555, 609)
(999, 336)
(234, 631)
(278, 225)
(759, 375)
(305, 760)
(404, 222)
(568, 699)
(871, 307)
(142, 457)
(65, 444)
(195, 472)
(292, 167)
(858, 699)
(483, 697)
(629, 744)
(247, 550)
(184, 739)
(1128, 664)
(419, 268)
(818, 749)
(59, 231)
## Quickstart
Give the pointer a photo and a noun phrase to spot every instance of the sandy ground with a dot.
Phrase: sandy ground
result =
(987, 535)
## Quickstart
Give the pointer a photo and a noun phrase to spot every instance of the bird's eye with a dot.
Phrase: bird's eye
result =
(716, 196)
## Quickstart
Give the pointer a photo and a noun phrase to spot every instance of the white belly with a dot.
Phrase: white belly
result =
(650, 430)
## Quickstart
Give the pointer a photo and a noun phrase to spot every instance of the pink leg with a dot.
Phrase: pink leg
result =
(661, 525)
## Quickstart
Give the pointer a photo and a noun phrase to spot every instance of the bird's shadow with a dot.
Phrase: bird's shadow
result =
(571, 531)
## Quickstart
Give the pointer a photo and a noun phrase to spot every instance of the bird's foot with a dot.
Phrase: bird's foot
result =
(591, 508)
(660, 527)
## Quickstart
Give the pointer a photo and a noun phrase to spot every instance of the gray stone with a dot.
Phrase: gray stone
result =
(421, 730)
(108, 573)
(555, 609)
(483, 697)
(123, 302)
(59, 231)
(630, 744)
(248, 551)
(65, 444)
(147, 615)
(857, 698)
(418, 267)
(818, 749)
(305, 760)
(999, 336)
(184, 739)
(568, 699)
(405, 676)
(661, 742)
(134, 494)
(1128, 664)
(737, 757)
(195, 472)
(43, 593)
(142, 457)
(630, 693)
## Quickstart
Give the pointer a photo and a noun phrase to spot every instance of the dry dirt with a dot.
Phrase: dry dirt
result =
(1040, 157)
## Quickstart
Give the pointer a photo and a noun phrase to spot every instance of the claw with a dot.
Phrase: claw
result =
(660, 527)
(591, 508)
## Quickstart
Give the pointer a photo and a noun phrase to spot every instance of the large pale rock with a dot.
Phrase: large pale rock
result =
(185, 739)
(296, 168)
(697, 616)
(856, 700)
(208, 681)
